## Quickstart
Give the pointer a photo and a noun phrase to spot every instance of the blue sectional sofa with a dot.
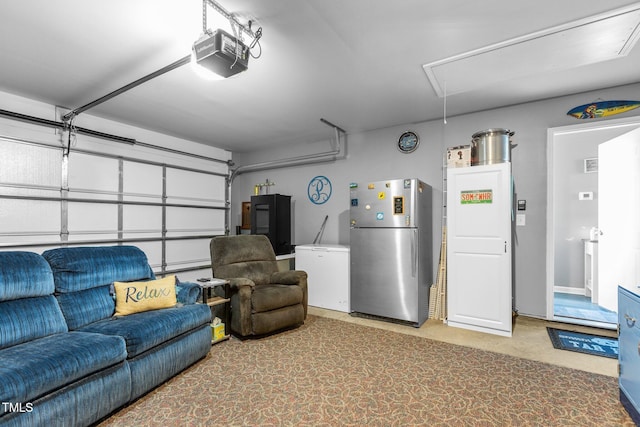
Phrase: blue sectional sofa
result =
(65, 359)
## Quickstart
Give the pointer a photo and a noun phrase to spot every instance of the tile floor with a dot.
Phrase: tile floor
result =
(581, 307)
(530, 340)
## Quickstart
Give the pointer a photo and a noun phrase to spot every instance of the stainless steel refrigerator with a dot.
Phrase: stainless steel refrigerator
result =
(391, 249)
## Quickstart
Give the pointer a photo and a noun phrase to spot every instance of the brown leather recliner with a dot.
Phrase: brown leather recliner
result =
(263, 299)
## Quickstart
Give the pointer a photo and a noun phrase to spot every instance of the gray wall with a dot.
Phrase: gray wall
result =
(374, 156)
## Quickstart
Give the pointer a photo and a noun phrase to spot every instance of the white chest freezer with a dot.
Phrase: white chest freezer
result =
(327, 268)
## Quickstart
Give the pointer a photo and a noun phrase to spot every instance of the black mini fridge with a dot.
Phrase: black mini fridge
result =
(271, 216)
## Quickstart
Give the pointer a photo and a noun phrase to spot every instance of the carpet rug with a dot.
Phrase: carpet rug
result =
(596, 345)
(334, 373)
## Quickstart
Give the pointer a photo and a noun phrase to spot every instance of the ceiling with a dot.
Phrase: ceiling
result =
(356, 63)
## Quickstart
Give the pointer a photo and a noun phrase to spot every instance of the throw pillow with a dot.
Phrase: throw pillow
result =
(135, 297)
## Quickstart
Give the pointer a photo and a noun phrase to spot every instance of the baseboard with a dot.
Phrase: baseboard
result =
(569, 290)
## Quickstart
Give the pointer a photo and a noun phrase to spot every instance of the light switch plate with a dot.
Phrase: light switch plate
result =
(521, 220)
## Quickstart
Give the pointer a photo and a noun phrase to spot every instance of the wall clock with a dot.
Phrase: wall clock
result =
(408, 142)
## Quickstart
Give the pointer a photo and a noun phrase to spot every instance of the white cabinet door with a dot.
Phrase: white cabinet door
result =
(479, 286)
(618, 217)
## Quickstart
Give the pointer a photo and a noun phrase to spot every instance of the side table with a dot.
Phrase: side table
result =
(215, 300)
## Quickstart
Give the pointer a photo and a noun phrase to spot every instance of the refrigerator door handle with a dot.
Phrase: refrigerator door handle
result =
(414, 253)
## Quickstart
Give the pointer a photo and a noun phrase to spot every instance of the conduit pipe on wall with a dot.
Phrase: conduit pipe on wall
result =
(327, 156)
(295, 161)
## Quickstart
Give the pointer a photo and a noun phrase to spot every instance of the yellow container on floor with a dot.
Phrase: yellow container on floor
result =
(217, 331)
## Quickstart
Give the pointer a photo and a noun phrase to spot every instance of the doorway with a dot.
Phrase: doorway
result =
(572, 220)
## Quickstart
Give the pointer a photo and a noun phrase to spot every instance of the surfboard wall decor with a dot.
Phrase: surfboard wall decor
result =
(602, 109)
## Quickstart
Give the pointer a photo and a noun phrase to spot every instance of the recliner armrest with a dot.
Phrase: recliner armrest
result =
(187, 292)
(292, 277)
(241, 310)
(238, 282)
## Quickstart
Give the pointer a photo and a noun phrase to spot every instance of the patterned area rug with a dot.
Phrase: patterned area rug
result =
(332, 373)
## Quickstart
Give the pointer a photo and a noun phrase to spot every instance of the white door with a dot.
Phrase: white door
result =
(618, 217)
(479, 248)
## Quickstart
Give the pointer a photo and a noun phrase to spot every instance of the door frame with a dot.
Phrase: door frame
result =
(629, 123)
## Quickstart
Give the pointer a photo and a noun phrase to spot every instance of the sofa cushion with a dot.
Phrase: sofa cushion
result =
(88, 306)
(136, 297)
(164, 361)
(27, 319)
(84, 307)
(40, 366)
(23, 275)
(142, 331)
(76, 269)
(270, 297)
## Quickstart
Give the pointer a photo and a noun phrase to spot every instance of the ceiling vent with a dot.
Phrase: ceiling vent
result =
(583, 42)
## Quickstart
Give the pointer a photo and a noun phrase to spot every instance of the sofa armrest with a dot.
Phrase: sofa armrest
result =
(292, 277)
(188, 292)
